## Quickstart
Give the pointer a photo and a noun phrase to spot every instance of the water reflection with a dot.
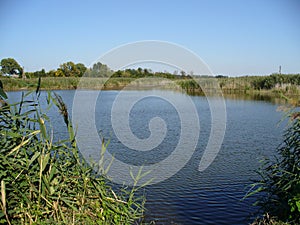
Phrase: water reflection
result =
(256, 97)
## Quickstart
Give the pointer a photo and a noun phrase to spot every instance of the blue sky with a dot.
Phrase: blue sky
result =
(234, 37)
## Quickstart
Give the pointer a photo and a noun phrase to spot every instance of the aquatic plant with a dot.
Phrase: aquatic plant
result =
(279, 185)
(47, 182)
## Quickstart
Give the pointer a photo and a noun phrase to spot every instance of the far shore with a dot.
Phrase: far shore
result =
(237, 87)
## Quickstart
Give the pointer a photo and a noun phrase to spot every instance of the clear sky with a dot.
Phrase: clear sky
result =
(234, 37)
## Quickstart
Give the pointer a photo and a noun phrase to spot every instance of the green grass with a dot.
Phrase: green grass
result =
(47, 182)
(63, 83)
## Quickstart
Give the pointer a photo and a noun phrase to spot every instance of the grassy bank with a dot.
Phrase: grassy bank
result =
(272, 86)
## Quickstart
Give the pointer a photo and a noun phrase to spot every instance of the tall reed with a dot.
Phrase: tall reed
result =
(47, 182)
(279, 186)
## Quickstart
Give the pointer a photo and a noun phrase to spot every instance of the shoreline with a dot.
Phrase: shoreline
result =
(188, 86)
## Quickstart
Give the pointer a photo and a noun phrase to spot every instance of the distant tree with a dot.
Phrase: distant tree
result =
(70, 69)
(41, 73)
(118, 73)
(146, 72)
(81, 69)
(10, 66)
(51, 73)
(221, 76)
(59, 73)
(100, 70)
(128, 73)
(140, 70)
(67, 69)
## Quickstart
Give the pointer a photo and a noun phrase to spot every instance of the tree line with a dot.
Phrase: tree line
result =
(10, 66)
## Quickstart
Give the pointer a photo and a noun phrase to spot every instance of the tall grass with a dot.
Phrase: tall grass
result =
(47, 182)
(274, 85)
(64, 83)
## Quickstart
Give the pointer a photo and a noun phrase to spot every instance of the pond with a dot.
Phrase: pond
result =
(190, 196)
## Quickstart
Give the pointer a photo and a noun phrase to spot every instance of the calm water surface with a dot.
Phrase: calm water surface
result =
(192, 197)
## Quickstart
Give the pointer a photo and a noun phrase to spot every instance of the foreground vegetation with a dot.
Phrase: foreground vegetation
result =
(47, 182)
(279, 186)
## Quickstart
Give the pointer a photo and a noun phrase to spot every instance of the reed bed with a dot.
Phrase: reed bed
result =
(47, 182)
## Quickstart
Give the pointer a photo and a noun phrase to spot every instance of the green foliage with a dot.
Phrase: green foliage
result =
(99, 70)
(70, 69)
(46, 182)
(10, 66)
(41, 73)
(268, 220)
(280, 180)
(81, 68)
(274, 84)
(269, 82)
(190, 86)
(141, 73)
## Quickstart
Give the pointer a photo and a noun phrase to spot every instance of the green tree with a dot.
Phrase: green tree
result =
(182, 73)
(81, 68)
(10, 66)
(41, 73)
(140, 70)
(51, 73)
(68, 69)
(100, 70)
(118, 73)
(59, 73)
